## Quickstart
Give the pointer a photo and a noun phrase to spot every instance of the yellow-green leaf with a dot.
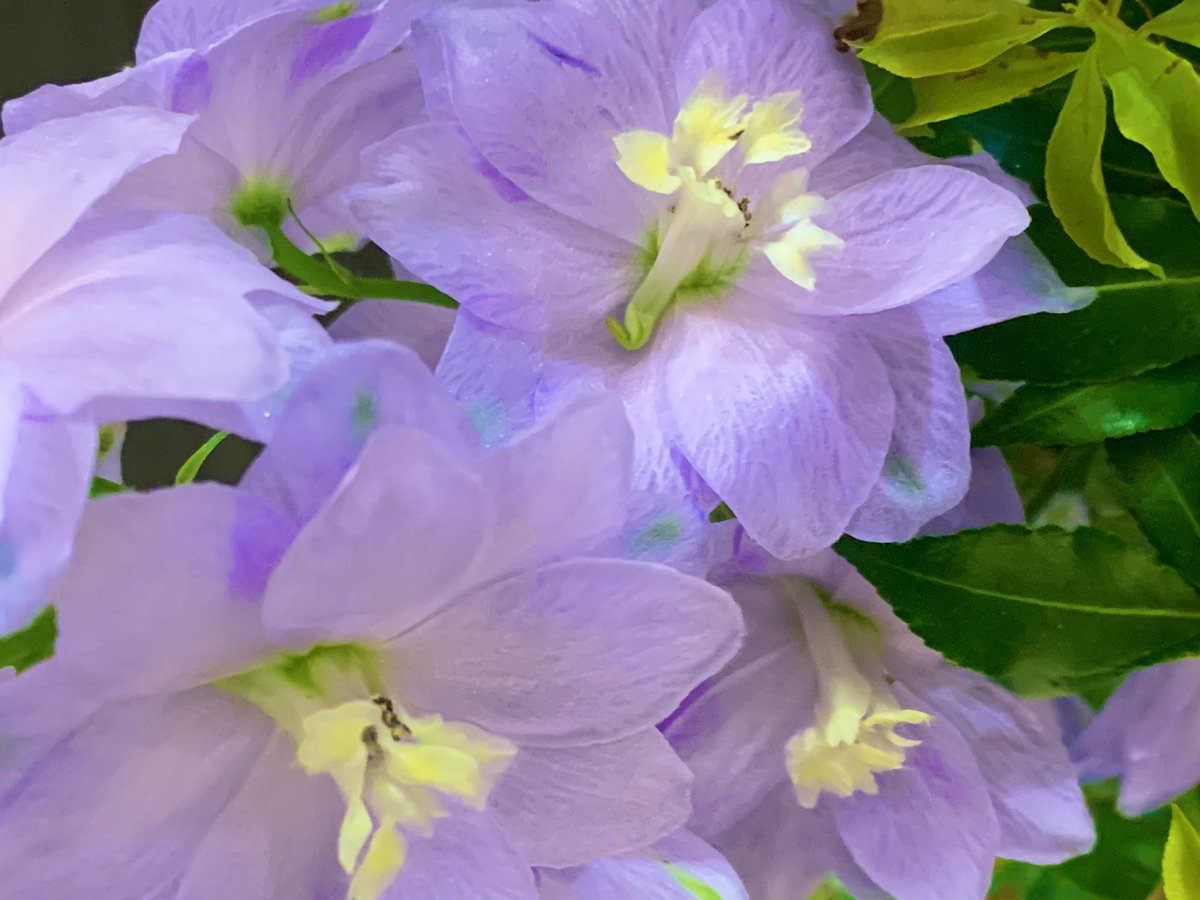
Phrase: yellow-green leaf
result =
(1180, 23)
(917, 38)
(1012, 74)
(1074, 180)
(1156, 100)
(1181, 861)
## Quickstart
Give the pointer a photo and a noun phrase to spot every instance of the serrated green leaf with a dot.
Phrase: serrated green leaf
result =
(1181, 859)
(1128, 329)
(1074, 177)
(1162, 473)
(1156, 101)
(1043, 611)
(934, 38)
(32, 644)
(1181, 23)
(1012, 74)
(191, 468)
(690, 883)
(1087, 413)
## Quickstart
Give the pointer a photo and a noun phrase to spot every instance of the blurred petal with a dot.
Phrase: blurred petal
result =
(422, 328)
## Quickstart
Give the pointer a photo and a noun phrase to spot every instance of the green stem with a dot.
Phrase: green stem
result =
(1114, 7)
(326, 278)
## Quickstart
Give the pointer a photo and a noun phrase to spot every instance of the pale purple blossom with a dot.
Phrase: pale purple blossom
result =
(837, 743)
(284, 102)
(1146, 735)
(106, 318)
(795, 366)
(387, 665)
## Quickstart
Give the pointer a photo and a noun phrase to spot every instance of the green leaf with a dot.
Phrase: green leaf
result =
(1162, 472)
(1156, 100)
(691, 883)
(1128, 329)
(102, 487)
(1074, 178)
(934, 38)
(1161, 229)
(1087, 413)
(1012, 74)
(1043, 611)
(1181, 859)
(892, 94)
(32, 644)
(191, 468)
(1182, 23)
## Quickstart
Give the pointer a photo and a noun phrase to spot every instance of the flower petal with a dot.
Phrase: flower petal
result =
(765, 47)
(467, 856)
(53, 174)
(645, 875)
(1019, 750)
(640, 637)
(565, 806)
(277, 836)
(529, 268)
(189, 618)
(908, 233)
(422, 328)
(110, 300)
(126, 796)
(354, 390)
(1138, 735)
(543, 93)
(408, 513)
(789, 428)
(928, 465)
(1018, 281)
(930, 832)
(44, 496)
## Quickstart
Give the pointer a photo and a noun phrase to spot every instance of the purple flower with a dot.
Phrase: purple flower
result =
(285, 100)
(386, 665)
(837, 743)
(106, 318)
(663, 871)
(1144, 735)
(708, 188)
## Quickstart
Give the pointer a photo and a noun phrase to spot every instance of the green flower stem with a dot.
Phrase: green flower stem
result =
(326, 278)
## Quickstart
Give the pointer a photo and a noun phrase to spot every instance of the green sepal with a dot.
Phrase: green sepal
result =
(32, 644)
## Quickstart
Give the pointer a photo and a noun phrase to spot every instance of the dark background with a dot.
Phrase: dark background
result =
(68, 41)
(64, 41)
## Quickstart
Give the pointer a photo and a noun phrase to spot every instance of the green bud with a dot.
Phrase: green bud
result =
(334, 11)
(261, 202)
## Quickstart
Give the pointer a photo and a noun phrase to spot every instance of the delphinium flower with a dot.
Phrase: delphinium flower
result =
(384, 666)
(678, 867)
(105, 318)
(698, 210)
(284, 101)
(837, 743)
(1148, 735)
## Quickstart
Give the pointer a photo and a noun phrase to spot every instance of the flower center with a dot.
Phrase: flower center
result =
(399, 773)
(854, 733)
(703, 238)
(334, 11)
(261, 202)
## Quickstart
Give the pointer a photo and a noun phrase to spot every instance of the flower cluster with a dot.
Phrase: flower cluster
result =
(471, 633)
